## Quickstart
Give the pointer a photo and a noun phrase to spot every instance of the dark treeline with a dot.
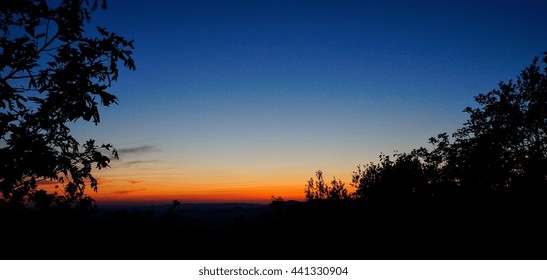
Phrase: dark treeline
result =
(477, 193)
(500, 150)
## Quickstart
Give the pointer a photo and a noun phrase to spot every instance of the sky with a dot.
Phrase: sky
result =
(236, 101)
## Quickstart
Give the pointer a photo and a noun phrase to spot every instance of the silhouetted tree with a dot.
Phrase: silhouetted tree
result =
(276, 200)
(437, 167)
(277, 204)
(401, 177)
(318, 189)
(338, 190)
(503, 145)
(53, 73)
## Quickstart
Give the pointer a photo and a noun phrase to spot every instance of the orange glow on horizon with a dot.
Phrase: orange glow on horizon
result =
(161, 194)
(127, 186)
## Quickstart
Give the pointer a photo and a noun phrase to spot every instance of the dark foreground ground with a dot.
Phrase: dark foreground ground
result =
(433, 229)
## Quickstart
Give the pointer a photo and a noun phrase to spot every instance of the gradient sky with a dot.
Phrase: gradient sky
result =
(241, 100)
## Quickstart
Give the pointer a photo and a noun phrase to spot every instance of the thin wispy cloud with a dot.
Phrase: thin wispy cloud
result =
(129, 191)
(136, 162)
(48, 183)
(52, 183)
(138, 149)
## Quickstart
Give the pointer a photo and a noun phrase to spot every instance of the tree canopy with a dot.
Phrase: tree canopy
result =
(53, 71)
(503, 145)
(501, 148)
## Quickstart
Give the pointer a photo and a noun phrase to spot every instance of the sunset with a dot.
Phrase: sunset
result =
(241, 100)
(273, 130)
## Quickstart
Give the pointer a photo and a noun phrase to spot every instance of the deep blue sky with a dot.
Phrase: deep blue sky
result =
(229, 94)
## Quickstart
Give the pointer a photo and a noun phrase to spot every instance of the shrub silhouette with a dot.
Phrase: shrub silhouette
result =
(318, 189)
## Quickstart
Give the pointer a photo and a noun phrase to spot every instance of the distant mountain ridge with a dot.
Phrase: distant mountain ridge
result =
(182, 206)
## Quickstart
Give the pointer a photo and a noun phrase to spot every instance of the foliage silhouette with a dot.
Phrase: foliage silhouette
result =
(53, 72)
(318, 189)
(404, 176)
(503, 145)
(478, 193)
(501, 149)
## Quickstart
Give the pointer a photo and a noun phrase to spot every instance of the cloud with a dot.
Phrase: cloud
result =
(48, 182)
(129, 191)
(134, 181)
(134, 162)
(103, 180)
(138, 150)
(53, 183)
